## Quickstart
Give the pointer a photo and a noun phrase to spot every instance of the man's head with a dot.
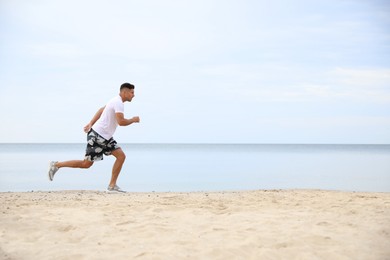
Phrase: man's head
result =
(127, 92)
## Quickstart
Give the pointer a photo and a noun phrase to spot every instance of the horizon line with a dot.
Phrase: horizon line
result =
(200, 143)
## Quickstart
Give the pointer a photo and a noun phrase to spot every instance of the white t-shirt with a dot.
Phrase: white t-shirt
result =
(107, 123)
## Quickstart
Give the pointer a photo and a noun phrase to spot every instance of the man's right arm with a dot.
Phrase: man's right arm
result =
(94, 119)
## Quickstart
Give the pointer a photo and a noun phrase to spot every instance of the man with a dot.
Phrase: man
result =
(100, 137)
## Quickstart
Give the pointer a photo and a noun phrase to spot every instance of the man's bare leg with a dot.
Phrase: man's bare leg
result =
(116, 169)
(55, 166)
(84, 164)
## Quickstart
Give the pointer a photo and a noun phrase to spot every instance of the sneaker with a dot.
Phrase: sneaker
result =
(115, 189)
(52, 170)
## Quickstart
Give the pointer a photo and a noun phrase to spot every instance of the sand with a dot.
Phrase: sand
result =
(277, 224)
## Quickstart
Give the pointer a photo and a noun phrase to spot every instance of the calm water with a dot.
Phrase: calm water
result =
(203, 167)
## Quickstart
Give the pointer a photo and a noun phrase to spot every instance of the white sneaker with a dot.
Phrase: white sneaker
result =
(52, 170)
(115, 189)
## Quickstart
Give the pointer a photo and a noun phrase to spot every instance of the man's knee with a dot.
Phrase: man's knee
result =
(120, 155)
(86, 164)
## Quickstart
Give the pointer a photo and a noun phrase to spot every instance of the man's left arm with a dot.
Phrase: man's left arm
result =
(122, 121)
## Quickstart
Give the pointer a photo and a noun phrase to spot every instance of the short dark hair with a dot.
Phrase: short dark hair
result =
(127, 85)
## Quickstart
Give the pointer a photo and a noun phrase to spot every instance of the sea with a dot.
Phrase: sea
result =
(202, 167)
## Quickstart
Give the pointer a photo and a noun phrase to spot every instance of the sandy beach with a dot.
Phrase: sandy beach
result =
(275, 224)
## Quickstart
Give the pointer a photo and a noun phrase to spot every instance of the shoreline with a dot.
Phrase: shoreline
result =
(255, 224)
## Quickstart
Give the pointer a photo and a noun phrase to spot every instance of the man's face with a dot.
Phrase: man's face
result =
(129, 94)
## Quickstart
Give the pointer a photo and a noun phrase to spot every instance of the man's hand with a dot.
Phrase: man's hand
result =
(88, 127)
(135, 119)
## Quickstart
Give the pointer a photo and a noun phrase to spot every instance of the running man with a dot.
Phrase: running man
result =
(100, 138)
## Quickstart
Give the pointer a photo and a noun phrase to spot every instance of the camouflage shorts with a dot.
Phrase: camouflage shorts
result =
(97, 146)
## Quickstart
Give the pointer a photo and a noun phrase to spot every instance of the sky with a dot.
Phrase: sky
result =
(205, 71)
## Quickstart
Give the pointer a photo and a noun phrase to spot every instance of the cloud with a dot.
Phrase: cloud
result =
(129, 29)
(296, 83)
(55, 50)
(374, 78)
(363, 84)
